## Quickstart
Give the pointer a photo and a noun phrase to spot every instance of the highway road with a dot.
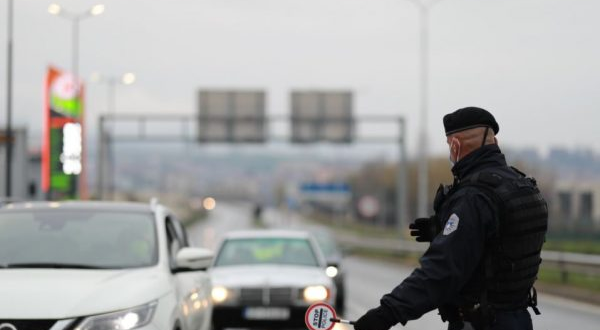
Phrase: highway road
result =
(368, 279)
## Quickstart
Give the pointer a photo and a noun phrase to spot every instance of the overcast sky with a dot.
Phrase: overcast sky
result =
(535, 64)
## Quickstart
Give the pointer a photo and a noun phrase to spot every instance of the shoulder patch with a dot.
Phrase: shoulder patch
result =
(451, 224)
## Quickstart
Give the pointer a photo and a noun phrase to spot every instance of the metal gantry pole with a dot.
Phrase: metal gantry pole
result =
(101, 155)
(110, 156)
(111, 98)
(9, 82)
(401, 180)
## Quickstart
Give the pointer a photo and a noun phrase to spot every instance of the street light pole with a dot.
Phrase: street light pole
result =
(9, 81)
(423, 151)
(105, 157)
(75, 19)
(75, 54)
(423, 177)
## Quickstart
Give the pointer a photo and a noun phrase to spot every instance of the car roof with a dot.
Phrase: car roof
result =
(267, 233)
(79, 205)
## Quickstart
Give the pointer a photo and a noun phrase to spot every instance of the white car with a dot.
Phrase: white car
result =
(268, 278)
(100, 266)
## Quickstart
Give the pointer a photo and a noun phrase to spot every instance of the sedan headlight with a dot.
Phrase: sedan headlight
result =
(315, 293)
(331, 271)
(219, 294)
(124, 320)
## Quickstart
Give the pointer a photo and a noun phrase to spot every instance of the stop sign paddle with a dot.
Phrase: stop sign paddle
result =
(321, 316)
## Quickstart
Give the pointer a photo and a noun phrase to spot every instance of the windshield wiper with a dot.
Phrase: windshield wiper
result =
(50, 265)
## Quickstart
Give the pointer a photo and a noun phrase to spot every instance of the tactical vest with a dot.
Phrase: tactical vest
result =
(512, 258)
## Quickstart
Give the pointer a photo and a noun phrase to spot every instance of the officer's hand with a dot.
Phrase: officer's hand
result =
(425, 229)
(374, 319)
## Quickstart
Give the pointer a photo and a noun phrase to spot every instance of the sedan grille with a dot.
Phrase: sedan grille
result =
(266, 296)
(27, 324)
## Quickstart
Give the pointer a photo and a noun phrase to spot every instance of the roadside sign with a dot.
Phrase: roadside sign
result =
(320, 316)
(322, 116)
(63, 161)
(232, 116)
(368, 206)
(333, 187)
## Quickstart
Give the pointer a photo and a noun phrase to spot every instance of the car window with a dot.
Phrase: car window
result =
(327, 244)
(255, 251)
(84, 238)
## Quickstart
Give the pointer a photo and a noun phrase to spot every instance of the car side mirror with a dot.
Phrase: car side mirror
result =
(193, 259)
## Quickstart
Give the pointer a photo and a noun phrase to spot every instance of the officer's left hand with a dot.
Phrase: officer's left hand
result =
(374, 319)
(425, 229)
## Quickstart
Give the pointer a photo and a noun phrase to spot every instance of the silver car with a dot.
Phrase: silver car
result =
(268, 278)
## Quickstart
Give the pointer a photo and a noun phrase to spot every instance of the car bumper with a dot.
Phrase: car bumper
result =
(234, 317)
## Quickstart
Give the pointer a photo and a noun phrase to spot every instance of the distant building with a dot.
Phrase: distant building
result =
(577, 204)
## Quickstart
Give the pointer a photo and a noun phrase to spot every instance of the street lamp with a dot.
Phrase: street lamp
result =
(423, 152)
(9, 85)
(111, 83)
(75, 18)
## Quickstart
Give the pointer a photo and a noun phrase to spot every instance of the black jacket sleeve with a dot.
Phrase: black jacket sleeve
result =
(450, 260)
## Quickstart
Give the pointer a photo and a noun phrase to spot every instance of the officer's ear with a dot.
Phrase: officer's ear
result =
(455, 148)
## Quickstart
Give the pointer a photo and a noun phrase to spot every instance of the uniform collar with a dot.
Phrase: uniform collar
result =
(484, 157)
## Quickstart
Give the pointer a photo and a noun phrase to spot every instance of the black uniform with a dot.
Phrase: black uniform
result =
(482, 264)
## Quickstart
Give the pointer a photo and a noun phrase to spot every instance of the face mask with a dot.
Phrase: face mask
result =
(452, 162)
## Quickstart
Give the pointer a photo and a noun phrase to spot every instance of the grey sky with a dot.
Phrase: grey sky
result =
(533, 63)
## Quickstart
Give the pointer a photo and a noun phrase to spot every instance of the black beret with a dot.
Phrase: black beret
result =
(467, 118)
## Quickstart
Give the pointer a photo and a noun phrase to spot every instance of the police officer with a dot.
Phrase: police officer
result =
(486, 237)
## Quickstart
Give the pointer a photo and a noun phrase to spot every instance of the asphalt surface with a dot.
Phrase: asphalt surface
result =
(368, 280)
(557, 313)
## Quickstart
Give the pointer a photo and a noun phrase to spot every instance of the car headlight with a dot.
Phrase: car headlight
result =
(123, 320)
(219, 294)
(315, 293)
(331, 271)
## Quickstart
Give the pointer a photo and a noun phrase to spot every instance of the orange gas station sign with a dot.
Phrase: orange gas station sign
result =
(63, 136)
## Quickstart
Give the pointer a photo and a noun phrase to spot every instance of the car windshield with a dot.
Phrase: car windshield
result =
(327, 244)
(257, 251)
(77, 239)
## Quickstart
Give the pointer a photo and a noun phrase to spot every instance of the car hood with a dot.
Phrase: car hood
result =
(67, 293)
(268, 275)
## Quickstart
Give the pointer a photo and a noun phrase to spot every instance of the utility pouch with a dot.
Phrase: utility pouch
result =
(451, 314)
(479, 318)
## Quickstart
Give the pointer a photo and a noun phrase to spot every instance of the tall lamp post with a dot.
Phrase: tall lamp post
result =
(423, 149)
(9, 140)
(106, 156)
(75, 18)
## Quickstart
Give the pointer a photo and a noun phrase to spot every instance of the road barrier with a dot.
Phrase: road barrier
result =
(564, 262)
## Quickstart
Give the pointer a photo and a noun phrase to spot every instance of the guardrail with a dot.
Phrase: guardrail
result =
(564, 262)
